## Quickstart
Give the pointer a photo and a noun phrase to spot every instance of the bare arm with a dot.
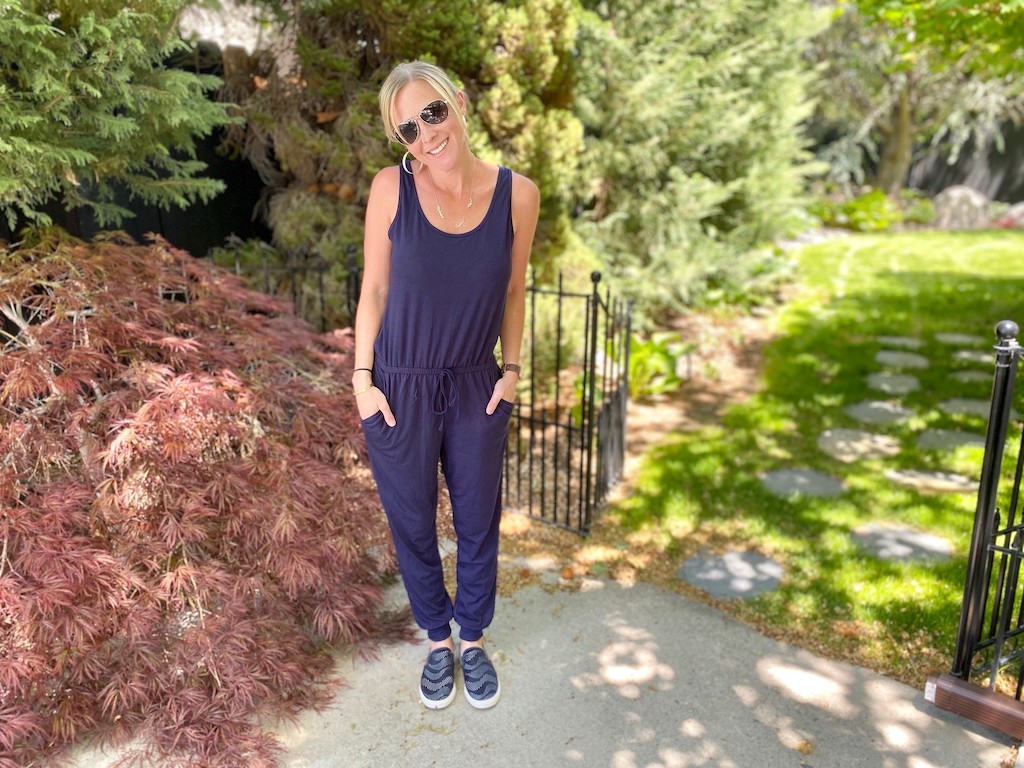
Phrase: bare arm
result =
(525, 208)
(373, 296)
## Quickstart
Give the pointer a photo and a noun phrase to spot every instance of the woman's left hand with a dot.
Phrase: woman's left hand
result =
(504, 389)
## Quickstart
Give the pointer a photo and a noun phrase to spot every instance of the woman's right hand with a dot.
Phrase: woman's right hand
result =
(371, 401)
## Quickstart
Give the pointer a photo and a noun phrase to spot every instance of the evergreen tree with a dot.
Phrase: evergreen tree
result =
(695, 153)
(88, 108)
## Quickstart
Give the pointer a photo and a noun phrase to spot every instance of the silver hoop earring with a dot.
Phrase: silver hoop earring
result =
(407, 164)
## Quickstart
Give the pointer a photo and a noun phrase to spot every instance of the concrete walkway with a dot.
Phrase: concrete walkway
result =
(633, 677)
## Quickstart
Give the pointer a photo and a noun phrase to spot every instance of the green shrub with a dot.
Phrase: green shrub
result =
(917, 208)
(654, 364)
(872, 211)
(752, 281)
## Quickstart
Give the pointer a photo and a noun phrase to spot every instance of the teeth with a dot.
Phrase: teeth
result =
(438, 150)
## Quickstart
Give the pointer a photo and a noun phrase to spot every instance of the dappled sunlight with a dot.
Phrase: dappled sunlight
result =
(900, 723)
(630, 665)
(825, 687)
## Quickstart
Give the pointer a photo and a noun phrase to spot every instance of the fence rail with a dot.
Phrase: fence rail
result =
(566, 443)
(988, 659)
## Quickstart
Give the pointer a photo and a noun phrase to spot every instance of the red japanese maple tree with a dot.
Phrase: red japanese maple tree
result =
(188, 526)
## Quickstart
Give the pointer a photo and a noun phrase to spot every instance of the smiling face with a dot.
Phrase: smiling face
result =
(435, 141)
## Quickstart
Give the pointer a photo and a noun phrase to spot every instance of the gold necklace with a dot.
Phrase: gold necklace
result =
(469, 205)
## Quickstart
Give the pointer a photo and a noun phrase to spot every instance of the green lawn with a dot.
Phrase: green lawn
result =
(703, 489)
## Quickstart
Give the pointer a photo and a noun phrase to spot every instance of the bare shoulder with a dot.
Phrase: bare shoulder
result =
(386, 181)
(384, 194)
(525, 193)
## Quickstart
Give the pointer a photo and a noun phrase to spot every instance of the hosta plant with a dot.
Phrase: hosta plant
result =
(188, 527)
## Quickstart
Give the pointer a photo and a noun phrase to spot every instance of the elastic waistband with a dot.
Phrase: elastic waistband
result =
(455, 369)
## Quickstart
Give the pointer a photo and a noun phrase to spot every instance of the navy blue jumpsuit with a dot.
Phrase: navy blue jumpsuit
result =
(434, 360)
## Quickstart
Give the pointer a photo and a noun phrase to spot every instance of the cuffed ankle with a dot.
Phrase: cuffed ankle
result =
(437, 634)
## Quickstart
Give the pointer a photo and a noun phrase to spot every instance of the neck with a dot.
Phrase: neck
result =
(467, 187)
(456, 183)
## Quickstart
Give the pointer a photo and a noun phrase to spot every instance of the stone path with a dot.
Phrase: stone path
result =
(741, 575)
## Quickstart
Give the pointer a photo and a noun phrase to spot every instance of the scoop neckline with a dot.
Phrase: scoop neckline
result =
(490, 206)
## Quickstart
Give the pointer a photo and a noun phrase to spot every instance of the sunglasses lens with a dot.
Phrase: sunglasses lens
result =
(407, 131)
(435, 113)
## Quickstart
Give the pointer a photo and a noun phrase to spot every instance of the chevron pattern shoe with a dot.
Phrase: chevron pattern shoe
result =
(437, 683)
(481, 681)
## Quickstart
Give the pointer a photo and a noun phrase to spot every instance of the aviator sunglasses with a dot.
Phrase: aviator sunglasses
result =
(435, 113)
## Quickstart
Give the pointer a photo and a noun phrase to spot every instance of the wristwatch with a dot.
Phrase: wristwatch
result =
(514, 367)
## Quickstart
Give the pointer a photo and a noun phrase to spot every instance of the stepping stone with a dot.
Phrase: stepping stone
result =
(959, 339)
(970, 407)
(852, 444)
(894, 383)
(878, 412)
(905, 342)
(971, 376)
(802, 482)
(901, 359)
(939, 439)
(732, 575)
(975, 356)
(891, 542)
(927, 480)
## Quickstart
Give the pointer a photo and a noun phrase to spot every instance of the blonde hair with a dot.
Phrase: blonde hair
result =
(404, 74)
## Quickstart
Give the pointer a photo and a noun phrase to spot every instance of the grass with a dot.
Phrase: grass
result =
(702, 489)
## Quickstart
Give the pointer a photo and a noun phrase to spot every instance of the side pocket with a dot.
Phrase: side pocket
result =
(373, 419)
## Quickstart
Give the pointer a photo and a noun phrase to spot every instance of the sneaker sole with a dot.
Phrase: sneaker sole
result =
(438, 703)
(482, 703)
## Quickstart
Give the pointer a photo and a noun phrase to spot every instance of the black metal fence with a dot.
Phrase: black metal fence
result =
(989, 652)
(302, 277)
(566, 444)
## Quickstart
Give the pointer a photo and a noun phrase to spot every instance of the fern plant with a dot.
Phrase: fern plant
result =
(187, 521)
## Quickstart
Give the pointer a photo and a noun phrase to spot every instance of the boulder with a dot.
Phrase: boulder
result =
(961, 207)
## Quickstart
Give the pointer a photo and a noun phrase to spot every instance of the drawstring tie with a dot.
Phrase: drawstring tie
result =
(445, 396)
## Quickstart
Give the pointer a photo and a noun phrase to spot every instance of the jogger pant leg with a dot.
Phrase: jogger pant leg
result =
(472, 457)
(404, 462)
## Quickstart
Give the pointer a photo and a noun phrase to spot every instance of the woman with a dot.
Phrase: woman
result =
(447, 241)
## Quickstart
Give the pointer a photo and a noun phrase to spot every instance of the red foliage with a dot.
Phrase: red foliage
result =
(187, 523)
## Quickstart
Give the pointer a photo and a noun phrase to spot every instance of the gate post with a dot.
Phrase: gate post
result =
(976, 583)
(589, 395)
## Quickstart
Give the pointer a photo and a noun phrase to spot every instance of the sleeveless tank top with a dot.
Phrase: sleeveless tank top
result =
(446, 296)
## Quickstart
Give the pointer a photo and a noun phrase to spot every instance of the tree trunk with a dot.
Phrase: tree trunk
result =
(898, 147)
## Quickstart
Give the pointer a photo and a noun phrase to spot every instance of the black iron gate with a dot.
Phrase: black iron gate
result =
(566, 444)
(987, 676)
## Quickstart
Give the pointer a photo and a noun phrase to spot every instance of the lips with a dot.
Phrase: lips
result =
(439, 149)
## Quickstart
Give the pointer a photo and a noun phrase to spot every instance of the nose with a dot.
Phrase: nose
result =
(427, 131)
